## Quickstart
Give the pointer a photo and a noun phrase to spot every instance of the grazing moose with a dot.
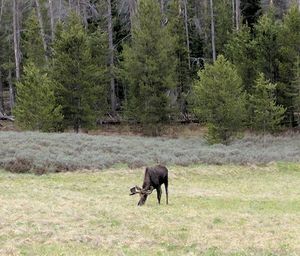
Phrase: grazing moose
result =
(153, 179)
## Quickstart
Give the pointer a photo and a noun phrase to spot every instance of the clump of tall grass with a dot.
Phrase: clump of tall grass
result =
(42, 152)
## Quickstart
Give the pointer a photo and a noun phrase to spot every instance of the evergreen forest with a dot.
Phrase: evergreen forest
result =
(75, 64)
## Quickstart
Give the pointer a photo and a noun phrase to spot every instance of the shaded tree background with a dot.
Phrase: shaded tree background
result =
(255, 36)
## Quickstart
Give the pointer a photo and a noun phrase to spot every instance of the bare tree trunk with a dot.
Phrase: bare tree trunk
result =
(206, 14)
(132, 10)
(162, 6)
(51, 19)
(233, 12)
(40, 18)
(111, 57)
(1, 84)
(187, 31)
(212, 21)
(237, 14)
(11, 91)
(1, 94)
(78, 7)
(16, 32)
(84, 13)
(1, 11)
(60, 8)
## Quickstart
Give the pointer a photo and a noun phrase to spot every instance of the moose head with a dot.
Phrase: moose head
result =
(142, 192)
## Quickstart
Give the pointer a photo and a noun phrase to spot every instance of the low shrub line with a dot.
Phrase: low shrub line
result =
(56, 152)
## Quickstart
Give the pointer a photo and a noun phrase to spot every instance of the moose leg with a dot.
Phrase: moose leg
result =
(158, 194)
(166, 187)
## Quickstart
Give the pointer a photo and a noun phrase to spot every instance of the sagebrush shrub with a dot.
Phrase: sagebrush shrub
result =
(43, 152)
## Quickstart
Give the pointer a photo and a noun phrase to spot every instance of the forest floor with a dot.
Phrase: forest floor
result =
(213, 210)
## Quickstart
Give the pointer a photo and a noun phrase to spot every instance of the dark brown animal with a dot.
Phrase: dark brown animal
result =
(153, 179)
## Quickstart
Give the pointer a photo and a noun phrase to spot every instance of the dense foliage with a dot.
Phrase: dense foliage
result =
(219, 99)
(265, 114)
(36, 107)
(140, 62)
(149, 66)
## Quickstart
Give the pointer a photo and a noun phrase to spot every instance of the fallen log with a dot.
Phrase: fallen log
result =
(5, 117)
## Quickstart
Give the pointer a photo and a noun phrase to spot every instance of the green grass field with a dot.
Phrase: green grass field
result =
(213, 210)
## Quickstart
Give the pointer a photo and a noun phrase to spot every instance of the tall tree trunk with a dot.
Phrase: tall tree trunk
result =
(237, 14)
(51, 19)
(42, 31)
(84, 14)
(60, 10)
(233, 12)
(132, 10)
(70, 5)
(162, 6)
(78, 7)
(16, 33)
(111, 58)
(187, 31)
(1, 94)
(11, 91)
(1, 11)
(212, 21)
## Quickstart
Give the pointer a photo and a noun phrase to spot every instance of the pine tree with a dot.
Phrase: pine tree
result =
(80, 85)
(267, 32)
(99, 54)
(223, 24)
(36, 107)
(242, 51)
(149, 66)
(219, 100)
(266, 116)
(289, 55)
(32, 42)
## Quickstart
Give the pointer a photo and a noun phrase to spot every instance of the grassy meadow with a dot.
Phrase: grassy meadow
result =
(214, 210)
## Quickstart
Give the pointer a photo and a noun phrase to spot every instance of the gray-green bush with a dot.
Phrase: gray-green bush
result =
(42, 152)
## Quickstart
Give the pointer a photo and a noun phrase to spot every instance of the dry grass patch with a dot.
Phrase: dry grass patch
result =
(214, 210)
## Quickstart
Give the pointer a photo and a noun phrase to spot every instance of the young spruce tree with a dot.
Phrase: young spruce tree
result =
(79, 78)
(36, 107)
(149, 67)
(266, 115)
(219, 100)
(242, 51)
(32, 43)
